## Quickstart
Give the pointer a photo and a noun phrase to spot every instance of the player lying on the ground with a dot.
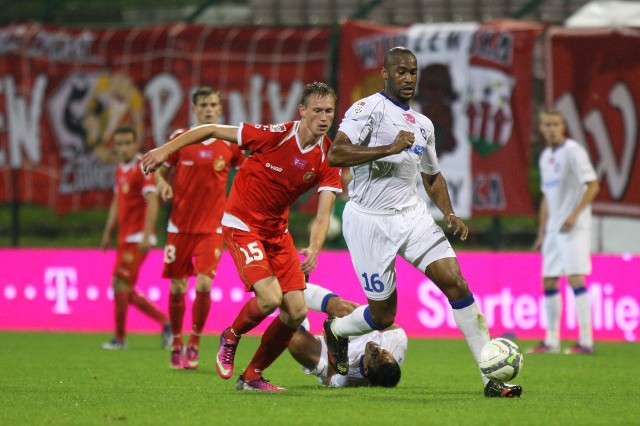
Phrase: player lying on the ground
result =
(374, 358)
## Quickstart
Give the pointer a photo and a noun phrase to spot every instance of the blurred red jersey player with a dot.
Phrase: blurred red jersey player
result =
(195, 180)
(134, 210)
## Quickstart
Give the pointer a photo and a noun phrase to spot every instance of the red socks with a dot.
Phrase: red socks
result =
(199, 314)
(146, 307)
(275, 340)
(249, 317)
(176, 314)
(121, 304)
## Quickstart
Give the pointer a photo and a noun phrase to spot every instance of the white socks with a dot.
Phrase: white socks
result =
(553, 306)
(316, 297)
(353, 324)
(583, 312)
(473, 326)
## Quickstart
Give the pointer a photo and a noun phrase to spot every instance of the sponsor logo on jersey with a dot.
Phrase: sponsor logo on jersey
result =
(416, 149)
(359, 107)
(410, 118)
(309, 176)
(277, 128)
(218, 164)
(205, 154)
(299, 163)
(272, 167)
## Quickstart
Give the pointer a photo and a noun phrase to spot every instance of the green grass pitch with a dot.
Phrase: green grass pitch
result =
(66, 379)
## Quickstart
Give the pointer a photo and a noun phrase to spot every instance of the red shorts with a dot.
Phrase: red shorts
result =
(257, 257)
(190, 254)
(128, 263)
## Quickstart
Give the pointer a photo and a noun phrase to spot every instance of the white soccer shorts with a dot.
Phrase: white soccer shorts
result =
(374, 240)
(566, 253)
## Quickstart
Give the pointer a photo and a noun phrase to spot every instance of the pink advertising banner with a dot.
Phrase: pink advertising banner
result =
(69, 290)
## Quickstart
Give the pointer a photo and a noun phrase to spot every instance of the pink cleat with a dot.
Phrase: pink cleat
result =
(176, 362)
(260, 384)
(580, 350)
(543, 349)
(192, 358)
(225, 357)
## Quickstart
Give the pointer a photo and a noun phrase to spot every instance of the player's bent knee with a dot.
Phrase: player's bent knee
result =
(456, 288)
(380, 322)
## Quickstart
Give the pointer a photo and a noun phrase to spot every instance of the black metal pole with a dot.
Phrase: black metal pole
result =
(15, 210)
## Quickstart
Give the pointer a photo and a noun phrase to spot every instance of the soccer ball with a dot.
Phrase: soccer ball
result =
(500, 360)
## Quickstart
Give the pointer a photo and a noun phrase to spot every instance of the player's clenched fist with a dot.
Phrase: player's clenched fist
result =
(153, 159)
(403, 140)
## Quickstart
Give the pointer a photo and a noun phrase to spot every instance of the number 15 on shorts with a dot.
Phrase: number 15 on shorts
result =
(252, 253)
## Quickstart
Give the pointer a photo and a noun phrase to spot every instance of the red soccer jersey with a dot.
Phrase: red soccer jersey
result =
(199, 184)
(276, 173)
(132, 184)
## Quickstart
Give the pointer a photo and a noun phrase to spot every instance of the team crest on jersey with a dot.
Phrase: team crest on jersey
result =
(309, 176)
(359, 106)
(277, 128)
(125, 188)
(128, 257)
(218, 164)
(217, 253)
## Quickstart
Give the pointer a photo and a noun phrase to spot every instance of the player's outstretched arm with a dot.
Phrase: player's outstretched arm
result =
(343, 153)
(154, 158)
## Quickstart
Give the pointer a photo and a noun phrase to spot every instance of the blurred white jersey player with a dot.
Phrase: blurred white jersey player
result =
(569, 186)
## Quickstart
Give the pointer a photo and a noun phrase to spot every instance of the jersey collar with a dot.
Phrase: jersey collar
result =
(361, 366)
(131, 164)
(396, 103)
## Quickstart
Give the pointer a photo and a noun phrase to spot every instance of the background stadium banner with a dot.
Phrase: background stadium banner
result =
(475, 85)
(499, 111)
(64, 91)
(70, 290)
(593, 79)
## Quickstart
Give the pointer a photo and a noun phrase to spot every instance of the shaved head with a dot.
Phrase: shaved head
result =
(391, 57)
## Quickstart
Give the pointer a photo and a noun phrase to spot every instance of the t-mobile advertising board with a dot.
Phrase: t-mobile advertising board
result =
(70, 290)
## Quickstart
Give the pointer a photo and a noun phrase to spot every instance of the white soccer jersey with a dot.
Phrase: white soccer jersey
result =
(395, 341)
(390, 182)
(564, 171)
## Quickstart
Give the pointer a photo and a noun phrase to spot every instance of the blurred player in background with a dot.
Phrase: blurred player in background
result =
(134, 210)
(569, 186)
(286, 160)
(389, 145)
(195, 180)
(374, 358)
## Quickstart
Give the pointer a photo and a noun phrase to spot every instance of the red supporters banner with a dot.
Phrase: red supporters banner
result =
(475, 86)
(499, 109)
(64, 91)
(362, 50)
(593, 79)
